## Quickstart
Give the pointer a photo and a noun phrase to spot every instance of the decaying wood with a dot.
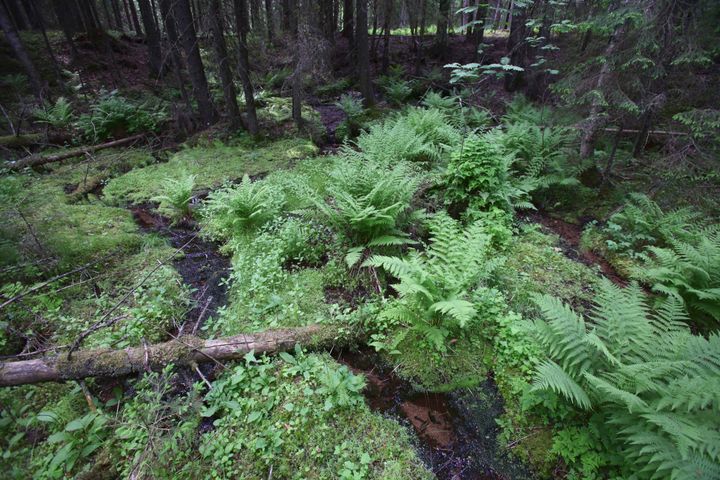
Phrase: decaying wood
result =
(37, 160)
(185, 350)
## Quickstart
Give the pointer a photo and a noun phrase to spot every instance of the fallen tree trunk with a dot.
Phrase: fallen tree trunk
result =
(37, 160)
(184, 350)
(29, 139)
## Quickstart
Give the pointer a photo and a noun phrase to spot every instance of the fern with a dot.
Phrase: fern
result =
(240, 209)
(478, 176)
(654, 381)
(689, 271)
(369, 204)
(59, 115)
(177, 197)
(434, 286)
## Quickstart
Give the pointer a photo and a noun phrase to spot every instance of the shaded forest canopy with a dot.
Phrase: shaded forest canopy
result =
(360, 239)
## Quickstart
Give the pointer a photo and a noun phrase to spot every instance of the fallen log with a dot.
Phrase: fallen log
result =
(37, 160)
(29, 139)
(185, 350)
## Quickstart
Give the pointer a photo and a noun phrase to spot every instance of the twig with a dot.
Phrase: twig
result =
(48, 282)
(88, 396)
(100, 323)
(197, 370)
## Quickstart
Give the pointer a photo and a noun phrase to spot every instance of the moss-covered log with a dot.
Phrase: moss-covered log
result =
(37, 160)
(181, 351)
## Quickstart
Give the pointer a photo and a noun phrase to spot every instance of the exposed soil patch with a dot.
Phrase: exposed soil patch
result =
(202, 267)
(457, 431)
(570, 234)
(342, 295)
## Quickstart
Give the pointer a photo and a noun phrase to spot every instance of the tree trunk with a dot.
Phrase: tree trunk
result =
(183, 351)
(255, 15)
(386, 35)
(134, 15)
(423, 17)
(152, 36)
(177, 62)
(441, 37)
(269, 20)
(597, 119)
(363, 53)
(221, 58)
(516, 47)
(21, 54)
(37, 14)
(116, 14)
(188, 39)
(241, 22)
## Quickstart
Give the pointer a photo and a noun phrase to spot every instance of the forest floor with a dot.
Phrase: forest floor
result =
(421, 414)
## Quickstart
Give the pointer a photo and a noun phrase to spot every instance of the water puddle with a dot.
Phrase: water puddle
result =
(456, 431)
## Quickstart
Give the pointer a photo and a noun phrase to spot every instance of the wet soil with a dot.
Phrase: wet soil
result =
(570, 234)
(456, 432)
(331, 117)
(201, 267)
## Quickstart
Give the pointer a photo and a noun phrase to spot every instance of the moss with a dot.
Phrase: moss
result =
(536, 264)
(462, 366)
(97, 362)
(213, 165)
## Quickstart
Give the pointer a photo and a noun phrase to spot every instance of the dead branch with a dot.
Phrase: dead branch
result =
(37, 160)
(181, 351)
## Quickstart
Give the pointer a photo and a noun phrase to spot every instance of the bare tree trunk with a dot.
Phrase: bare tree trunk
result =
(387, 12)
(597, 119)
(363, 55)
(133, 13)
(516, 47)
(270, 21)
(41, 25)
(177, 62)
(221, 58)
(188, 39)
(183, 351)
(152, 36)
(242, 25)
(441, 37)
(423, 17)
(21, 54)
(116, 14)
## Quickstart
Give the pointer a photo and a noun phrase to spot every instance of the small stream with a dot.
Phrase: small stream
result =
(201, 267)
(456, 432)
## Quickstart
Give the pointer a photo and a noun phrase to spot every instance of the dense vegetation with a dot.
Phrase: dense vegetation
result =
(515, 201)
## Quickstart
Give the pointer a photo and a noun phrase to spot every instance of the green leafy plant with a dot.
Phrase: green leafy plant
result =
(59, 115)
(178, 196)
(370, 205)
(353, 109)
(641, 223)
(435, 285)
(688, 271)
(115, 116)
(398, 91)
(478, 177)
(76, 440)
(240, 209)
(653, 381)
(432, 125)
(448, 105)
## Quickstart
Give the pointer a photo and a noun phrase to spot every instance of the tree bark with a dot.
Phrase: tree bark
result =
(241, 22)
(516, 47)
(188, 39)
(173, 41)
(221, 58)
(348, 8)
(269, 20)
(116, 13)
(20, 53)
(597, 119)
(363, 53)
(387, 12)
(152, 36)
(441, 37)
(134, 15)
(185, 350)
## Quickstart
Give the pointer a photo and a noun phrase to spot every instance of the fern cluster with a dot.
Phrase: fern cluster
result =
(417, 135)
(240, 209)
(478, 176)
(435, 286)
(642, 223)
(655, 384)
(177, 197)
(369, 203)
(688, 271)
